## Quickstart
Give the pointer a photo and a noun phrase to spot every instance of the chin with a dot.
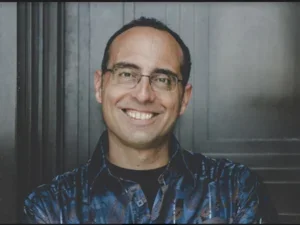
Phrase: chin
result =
(141, 140)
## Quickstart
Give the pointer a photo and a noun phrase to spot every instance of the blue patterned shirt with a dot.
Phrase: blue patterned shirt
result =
(193, 189)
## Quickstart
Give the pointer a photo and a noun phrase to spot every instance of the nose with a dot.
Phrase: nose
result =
(143, 91)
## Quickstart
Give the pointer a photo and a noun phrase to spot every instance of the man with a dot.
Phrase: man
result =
(138, 172)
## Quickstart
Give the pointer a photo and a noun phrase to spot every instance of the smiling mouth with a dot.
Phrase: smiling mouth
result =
(137, 115)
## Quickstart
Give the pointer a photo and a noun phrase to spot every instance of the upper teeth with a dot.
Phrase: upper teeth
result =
(139, 115)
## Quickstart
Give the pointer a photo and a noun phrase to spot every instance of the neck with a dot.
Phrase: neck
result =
(137, 159)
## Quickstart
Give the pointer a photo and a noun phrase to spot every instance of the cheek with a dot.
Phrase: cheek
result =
(172, 103)
(112, 95)
(109, 97)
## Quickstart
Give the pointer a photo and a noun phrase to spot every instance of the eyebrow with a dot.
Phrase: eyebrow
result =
(125, 65)
(134, 66)
(165, 71)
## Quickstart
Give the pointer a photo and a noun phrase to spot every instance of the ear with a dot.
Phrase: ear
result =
(97, 85)
(186, 98)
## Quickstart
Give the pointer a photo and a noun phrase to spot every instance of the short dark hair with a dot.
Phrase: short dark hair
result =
(154, 23)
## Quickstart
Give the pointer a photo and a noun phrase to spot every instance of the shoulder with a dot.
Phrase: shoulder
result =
(61, 183)
(242, 185)
(219, 168)
(47, 199)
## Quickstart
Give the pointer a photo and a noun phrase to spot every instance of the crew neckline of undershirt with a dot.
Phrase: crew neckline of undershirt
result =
(133, 174)
(147, 179)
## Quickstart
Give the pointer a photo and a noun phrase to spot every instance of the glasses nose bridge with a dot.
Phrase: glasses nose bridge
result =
(143, 75)
(144, 89)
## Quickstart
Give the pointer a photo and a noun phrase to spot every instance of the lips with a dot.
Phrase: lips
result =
(138, 115)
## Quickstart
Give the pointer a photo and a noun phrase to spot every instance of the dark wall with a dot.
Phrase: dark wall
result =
(245, 104)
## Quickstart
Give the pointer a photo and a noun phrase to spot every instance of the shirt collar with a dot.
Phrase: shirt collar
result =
(180, 160)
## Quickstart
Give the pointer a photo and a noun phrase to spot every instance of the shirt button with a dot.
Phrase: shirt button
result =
(140, 203)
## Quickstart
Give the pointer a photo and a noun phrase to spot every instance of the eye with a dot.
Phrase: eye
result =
(125, 74)
(163, 79)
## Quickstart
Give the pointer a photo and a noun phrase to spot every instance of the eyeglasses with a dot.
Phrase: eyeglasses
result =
(129, 78)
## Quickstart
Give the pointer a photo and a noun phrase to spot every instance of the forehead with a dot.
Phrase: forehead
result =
(147, 47)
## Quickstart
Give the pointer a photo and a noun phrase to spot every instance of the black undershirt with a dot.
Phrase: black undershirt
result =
(147, 179)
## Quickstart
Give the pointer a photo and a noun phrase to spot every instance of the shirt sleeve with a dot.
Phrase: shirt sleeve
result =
(253, 202)
(34, 213)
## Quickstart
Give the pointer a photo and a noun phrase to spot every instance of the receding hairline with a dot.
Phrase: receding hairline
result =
(175, 42)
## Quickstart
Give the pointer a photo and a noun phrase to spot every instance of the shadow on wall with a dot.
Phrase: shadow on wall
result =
(280, 115)
(8, 180)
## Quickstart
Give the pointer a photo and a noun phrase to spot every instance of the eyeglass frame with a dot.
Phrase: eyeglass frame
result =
(112, 70)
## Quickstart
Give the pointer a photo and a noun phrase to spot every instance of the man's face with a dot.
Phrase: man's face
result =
(140, 117)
